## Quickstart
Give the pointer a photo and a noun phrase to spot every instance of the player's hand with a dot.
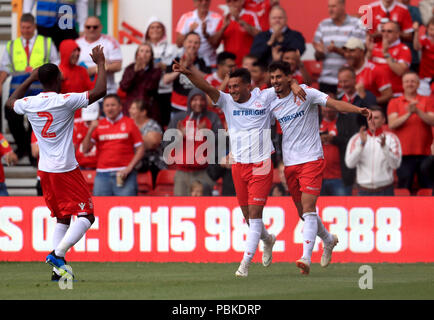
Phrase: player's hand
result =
(97, 55)
(366, 113)
(298, 91)
(180, 67)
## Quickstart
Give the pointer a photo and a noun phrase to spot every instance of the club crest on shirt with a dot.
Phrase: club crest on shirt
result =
(123, 127)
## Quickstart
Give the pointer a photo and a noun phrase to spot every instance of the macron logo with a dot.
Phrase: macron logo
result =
(82, 205)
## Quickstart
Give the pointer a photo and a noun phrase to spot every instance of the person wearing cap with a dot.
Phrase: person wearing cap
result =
(86, 160)
(189, 125)
(369, 76)
(164, 53)
(74, 77)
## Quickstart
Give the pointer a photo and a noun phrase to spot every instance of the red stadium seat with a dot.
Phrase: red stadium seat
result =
(402, 192)
(165, 177)
(144, 181)
(89, 177)
(424, 192)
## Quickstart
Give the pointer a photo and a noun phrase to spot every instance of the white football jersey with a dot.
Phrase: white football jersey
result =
(52, 118)
(300, 126)
(249, 125)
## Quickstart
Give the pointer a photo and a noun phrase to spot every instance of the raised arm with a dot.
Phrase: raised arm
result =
(342, 106)
(100, 89)
(197, 79)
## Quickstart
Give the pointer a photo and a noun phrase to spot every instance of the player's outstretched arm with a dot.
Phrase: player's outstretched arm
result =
(197, 79)
(22, 89)
(100, 89)
(342, 106)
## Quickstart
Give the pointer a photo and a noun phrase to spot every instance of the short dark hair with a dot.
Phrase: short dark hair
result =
(261, 65)
(191, 33)
(242, 73)
(224, 55)
(48, 74)
(112, 95)
(27, 17)
(142, 105)
(287, 49)
(250, 56)
(283, 66)
(378, 108)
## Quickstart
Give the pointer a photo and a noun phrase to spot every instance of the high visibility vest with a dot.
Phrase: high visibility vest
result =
(48, 12)
(39, 56)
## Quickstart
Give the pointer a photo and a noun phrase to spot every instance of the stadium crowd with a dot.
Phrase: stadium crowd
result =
(388, 68)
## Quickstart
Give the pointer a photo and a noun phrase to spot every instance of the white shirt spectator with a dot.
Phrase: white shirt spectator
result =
(374, 164)
(112, 52)
(206, 51)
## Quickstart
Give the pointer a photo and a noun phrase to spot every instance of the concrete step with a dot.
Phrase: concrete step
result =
(20, 183)
(19, 171)
(25, 192)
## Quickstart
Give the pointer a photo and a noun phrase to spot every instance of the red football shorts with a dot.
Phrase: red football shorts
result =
(304, 177)
(252, 182)
(66, 193)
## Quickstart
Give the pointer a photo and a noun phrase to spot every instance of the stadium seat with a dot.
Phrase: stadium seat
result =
(402, 192)
(144, 181)
(424, 192)
(89, 177)
(164, 183)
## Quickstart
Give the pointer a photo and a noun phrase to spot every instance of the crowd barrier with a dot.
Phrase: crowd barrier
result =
(212, 229)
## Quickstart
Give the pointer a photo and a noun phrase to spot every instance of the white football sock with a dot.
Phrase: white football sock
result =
(253, 237)
(325, 236)
(72, 236)
(59, 232)
(310, 229)
(264, 234)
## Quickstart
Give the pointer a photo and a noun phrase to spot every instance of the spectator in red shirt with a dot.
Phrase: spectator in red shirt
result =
(292, 56)
(332, 178)
(141, 80)
(191, 163)
(220, 78)
(369, 76)
(262, 10)
(393, 55)
(119, 146)
(426, 44)
(74, 77)
(411, 117)
(11, 159)
(260, 76)
(81, 126)
(390, 10)
(237, 30)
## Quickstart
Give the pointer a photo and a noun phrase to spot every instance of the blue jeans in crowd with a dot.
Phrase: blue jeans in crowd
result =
(3, 190)
(105, 185)
(333, 187)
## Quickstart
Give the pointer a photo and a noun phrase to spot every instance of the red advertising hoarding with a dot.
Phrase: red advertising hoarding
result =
(169, 229)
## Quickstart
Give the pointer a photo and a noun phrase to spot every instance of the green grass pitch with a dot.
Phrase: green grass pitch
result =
(212, 281)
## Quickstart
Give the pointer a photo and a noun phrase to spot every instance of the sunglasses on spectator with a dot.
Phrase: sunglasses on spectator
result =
(92, 27)
(388, 31)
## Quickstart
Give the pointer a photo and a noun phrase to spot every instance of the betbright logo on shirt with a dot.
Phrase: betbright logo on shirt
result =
(249, 112)
(114, 136)
(291, 117)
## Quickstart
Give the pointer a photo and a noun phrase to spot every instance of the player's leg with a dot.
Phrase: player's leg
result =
(60, 229)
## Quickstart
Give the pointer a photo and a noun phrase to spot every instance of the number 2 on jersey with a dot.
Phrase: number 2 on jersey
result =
(45, 133)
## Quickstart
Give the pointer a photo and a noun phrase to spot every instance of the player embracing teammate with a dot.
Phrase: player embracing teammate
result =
(248, 115)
